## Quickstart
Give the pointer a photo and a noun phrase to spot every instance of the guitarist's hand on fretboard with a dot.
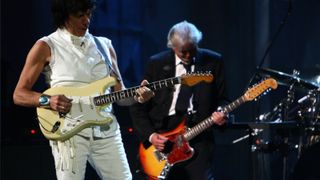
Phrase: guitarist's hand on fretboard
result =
(218, 118)
(143, 94)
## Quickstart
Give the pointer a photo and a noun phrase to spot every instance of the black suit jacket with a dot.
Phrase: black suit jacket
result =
(148, 117)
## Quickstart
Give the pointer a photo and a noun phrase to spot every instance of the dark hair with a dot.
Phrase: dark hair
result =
(61, 9)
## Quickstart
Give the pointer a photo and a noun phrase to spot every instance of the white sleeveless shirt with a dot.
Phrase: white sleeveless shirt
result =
(76, 61)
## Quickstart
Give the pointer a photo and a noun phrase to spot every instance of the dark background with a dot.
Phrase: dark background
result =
(241, 31)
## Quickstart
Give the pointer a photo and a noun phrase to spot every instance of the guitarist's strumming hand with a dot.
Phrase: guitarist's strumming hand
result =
(60, 103)
(158, 141)
(218, 118)
(143, 93)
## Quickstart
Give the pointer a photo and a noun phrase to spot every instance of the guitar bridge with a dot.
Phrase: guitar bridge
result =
(165, 171)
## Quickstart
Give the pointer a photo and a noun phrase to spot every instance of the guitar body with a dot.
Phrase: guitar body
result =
(153, 162)
(83, 112)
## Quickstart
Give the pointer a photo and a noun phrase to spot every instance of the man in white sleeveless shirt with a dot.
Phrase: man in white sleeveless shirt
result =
(71, 56)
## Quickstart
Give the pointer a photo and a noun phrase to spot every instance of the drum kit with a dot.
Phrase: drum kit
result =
(304, 112)
(298, 111)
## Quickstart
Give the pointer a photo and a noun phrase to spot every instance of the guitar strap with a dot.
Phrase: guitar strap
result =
(106, 59)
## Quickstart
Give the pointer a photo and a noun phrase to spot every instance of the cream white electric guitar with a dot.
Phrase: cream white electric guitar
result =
(89, 101)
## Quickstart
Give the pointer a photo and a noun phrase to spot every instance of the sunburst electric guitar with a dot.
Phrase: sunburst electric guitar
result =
(89, 101)
(156, 165)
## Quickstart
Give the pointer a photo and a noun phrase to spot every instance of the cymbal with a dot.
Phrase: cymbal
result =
(288, 80)
(312, 74)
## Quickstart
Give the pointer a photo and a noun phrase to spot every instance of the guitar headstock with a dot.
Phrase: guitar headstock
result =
(258, 89)
(191, 79)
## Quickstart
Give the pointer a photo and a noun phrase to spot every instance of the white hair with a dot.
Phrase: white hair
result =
(183, 32)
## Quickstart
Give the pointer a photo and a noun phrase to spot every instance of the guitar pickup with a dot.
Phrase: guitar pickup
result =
(159, 155)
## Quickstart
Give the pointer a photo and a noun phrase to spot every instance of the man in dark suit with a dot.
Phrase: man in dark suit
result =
(170, 106)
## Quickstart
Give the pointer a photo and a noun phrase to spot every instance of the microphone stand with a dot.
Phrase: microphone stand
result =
(269, 46)
(283, 22)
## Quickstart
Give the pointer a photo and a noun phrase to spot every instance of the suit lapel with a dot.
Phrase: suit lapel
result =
(169, 65)
(169, 69)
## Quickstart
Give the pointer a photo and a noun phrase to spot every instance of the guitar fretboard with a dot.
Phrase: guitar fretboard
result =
(130, 92)
(196, 130)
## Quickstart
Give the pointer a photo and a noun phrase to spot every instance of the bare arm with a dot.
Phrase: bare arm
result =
(36, 60)
(38, 57)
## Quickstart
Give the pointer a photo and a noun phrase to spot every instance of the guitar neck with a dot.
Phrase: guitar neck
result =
(208, 122)
(131, 92)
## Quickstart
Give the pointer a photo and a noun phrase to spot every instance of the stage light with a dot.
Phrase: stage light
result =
(130, 130)
(33, 132)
